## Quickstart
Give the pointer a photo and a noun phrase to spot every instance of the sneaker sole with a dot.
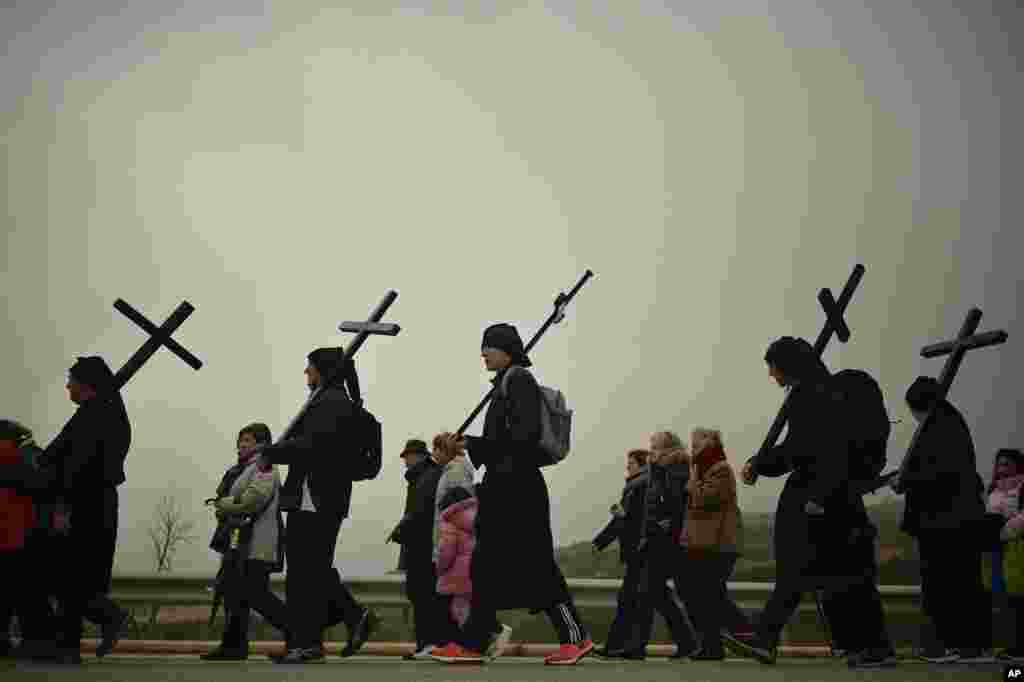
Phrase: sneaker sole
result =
(573, 661)
(500, 643)
(745, 649)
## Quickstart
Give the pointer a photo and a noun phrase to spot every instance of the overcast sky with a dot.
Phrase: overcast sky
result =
(281, 166)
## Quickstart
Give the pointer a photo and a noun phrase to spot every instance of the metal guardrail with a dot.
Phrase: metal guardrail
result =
(388, 591)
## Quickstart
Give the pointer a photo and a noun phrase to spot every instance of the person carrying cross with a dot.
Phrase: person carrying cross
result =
(943, 509)
(84, 465)
(316, 495)
(823, 534)
(513, 564)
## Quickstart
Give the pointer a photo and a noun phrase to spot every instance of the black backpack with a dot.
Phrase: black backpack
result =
(867, 422)
(368, 450)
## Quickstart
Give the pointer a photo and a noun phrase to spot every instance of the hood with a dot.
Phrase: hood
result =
(462, 514)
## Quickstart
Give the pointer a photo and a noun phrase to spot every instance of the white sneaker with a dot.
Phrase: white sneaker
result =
(498, 644)
(424, 653)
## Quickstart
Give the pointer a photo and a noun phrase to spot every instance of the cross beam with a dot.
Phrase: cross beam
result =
(834, 323)
(158, 336)
(956, 349)
(362, 330)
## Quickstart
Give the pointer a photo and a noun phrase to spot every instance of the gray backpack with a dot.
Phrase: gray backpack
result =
(555, 420)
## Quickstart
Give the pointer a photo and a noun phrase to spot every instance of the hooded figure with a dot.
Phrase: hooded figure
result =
(316, 495)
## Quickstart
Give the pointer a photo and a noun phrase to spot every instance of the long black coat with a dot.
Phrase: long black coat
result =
(941, 482)
(514, 557)
(817, 550)
(316, 452)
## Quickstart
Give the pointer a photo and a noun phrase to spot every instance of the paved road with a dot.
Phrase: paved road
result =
(373, 668)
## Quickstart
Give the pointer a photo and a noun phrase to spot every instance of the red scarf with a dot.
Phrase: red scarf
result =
(707, 458)
(244, 458)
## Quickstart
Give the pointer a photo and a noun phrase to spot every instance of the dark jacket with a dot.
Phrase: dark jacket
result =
(941, 482)
(88, 454)
(514, 557)
(415, 532)
(815, 454)
(665, 501)
(626, 528)
(316, 452)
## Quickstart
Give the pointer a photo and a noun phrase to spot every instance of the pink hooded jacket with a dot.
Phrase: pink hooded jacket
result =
(456, 543)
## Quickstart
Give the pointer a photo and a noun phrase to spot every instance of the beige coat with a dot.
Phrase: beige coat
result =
(249, 493)
(713, 520)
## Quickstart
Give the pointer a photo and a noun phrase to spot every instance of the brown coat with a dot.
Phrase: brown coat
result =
(713, 520)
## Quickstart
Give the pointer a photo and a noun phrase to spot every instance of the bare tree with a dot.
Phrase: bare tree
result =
(168, 532)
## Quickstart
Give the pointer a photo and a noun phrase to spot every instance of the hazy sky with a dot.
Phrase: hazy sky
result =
(283, 165)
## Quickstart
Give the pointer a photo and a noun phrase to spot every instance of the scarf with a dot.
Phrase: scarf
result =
(707, 458)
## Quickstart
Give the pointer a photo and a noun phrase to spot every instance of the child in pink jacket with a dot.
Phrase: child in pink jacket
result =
(455, 550)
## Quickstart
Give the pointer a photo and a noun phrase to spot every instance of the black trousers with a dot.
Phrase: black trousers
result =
(431, 616)
(19, 597)
(645, 591)
(316, 597)
(90, 547)
(954, 596)
(483, 618)
(706, 591)
(251, 593)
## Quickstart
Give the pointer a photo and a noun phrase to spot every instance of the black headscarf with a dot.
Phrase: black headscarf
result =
(504, 336)
(327, 361)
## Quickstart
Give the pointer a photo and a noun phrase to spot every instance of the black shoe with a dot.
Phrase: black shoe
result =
(604, 652)
(358, 635)
(111, 633)
(63, 657)
(222, 654)
(680, 654)
(702, 655)
(300, 656)
(872, 658)
(759, 649)
(634, 655)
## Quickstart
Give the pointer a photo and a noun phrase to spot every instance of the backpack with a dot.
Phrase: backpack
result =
(555, 421)
(368, 449)
(867, 422)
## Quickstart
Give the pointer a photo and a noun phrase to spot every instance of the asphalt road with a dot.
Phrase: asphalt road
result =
(116, 668)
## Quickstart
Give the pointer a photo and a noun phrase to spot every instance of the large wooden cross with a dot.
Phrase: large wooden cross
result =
(956, 349)
(158, 336)
(834, 324)
(362, 330)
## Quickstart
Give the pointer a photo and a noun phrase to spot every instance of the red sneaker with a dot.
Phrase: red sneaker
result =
(455, 653)
(570, 654)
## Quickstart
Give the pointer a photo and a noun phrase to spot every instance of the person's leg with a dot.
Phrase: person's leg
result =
(262, 599)
(307, 565)
(734, 619)
(640, 612)
(620, 626)
(665, 603)
(482, 624)
(932, 552)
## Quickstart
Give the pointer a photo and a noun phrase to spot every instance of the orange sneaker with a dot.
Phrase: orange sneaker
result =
(453, 652)
(570, 654)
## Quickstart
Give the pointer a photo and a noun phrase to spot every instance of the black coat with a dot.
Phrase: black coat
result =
(626, 529)
(514, 556)
(665, 500)
(316, 452)
(941, 482)
(415, 532)
(815, 454)
(88, 455)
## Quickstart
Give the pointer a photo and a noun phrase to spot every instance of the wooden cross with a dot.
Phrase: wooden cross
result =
(834, 323)
(362, 330)
(158, 336)
(956, 349)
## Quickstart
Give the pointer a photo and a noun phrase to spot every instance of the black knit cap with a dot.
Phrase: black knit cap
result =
(415, 446)
(92, 371)
(504, 336)
(923, 393)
